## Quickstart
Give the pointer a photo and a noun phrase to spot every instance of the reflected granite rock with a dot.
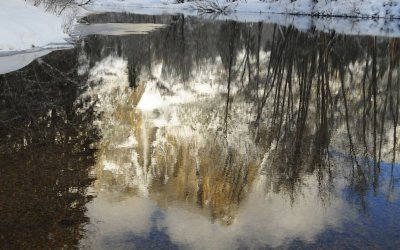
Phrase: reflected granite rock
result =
(241, 124)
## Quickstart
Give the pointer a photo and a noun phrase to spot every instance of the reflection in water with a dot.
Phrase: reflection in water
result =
(271, 134)
(45, 156)
(247, 135)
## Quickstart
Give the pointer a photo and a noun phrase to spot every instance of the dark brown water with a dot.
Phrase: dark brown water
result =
(203, 135)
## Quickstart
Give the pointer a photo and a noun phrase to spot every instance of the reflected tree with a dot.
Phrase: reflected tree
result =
(45, 155)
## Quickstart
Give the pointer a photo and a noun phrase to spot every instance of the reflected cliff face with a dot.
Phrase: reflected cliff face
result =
(220, 135)
(246, 135)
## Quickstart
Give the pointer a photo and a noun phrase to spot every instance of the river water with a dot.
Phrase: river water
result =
(198, 134)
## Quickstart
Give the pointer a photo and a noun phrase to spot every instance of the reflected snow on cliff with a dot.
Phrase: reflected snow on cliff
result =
(256, 136)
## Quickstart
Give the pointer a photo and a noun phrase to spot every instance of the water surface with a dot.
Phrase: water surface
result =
(202, 135)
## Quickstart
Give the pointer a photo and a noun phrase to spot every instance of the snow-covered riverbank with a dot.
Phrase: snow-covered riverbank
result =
(342, 8)
(348, 26)
(26, 27)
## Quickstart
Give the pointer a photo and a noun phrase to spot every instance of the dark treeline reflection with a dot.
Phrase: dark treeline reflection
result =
(324, 94)
(317, 98)
(45, 156)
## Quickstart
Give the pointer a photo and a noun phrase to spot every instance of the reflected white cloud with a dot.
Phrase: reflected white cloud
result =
(114, 217)
(261, 221)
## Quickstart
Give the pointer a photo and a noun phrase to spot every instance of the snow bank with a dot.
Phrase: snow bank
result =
(24, 26)
(346, 8)
(347, 26)
(15, 62)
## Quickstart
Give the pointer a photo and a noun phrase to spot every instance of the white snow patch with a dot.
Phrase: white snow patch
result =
(15, 62)
(24, 27)
(153, 99)
(129, 143)
(110, 74)
(110, 166)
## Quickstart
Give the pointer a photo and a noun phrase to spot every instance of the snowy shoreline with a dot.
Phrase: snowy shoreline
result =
(343, 25)
(388, 9)
(27, 28)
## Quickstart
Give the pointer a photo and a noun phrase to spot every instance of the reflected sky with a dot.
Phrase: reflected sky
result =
(218, 135)
(260, 221)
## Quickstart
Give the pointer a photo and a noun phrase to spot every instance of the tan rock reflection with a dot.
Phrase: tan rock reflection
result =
(172, 163)
(199, 144)
(174, 152)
